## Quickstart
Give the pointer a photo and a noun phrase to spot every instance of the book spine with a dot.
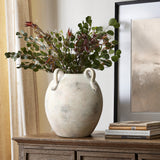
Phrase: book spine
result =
(126, 137)
(127, 132)
(126, 128)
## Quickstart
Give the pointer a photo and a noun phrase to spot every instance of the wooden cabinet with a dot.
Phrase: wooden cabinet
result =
(95, 147)
(104, 156)
(148, 157)
(39, 154)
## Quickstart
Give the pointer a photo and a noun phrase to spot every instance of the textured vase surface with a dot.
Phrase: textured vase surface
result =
(73, 103)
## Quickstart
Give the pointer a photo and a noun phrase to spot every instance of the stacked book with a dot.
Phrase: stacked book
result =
(134, 129)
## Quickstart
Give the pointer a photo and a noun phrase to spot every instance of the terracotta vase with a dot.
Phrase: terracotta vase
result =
(73, 103)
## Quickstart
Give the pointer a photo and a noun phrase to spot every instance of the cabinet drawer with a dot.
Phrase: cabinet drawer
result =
(148, 156)
(104, 156)
(36, 154)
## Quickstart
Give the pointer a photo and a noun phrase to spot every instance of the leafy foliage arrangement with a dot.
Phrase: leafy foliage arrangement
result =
(92, 47)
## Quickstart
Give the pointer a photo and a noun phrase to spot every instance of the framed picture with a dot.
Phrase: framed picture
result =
(137, 74)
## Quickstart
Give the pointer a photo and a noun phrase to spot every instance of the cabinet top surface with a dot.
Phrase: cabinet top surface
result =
(96, 139)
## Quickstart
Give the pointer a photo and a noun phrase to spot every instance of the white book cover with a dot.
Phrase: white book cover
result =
(133, 132)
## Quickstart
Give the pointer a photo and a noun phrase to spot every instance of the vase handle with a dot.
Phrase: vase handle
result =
(91, 76)
(55, 78)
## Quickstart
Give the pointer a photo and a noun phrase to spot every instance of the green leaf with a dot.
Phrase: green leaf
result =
(92, 56)
(26, 39)
(97, 49)
(110, 32)
(35, 69)
(118, 51)
(55, 40)
(7, 54)
(118, 56)
(104, 51)
(85, 25)
(18, 33)
(101, 67)
(22, 56)
(108, 45)
(25, 67)
(71, 45)
(36, 54)
(42, 40)
(96, 62)
(108, 63)
(111, 51)
(80, 25)
(59, 38)
(31, 65)
(30, 37)
(31, 48)
(117, 25)
(105, 55)
(96, 53)
(24, 50)
(72, 37)
(66, 42)
(57, 35)
(114, 58)
(99, 29)
(28, 44)
(59, 45)
(114, 42)
(85, 30)
(25, 34)
(29, 52)
(43, 53)
(36, 46)
(113, 22)
(89, 20)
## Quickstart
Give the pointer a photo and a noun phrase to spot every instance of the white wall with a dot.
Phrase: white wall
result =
(64, 14)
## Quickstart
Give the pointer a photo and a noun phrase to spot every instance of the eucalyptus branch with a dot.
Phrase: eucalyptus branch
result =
(92, 47)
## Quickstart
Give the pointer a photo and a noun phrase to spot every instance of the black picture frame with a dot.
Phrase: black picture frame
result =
(117, 104)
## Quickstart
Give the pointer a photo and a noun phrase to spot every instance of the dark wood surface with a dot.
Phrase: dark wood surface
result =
(95, 147)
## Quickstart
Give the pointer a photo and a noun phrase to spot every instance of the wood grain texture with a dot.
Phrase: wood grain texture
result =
(5, 140)
(97, 139)
(95, 147)
(48, 154)
(104, 156)
(148, 157)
